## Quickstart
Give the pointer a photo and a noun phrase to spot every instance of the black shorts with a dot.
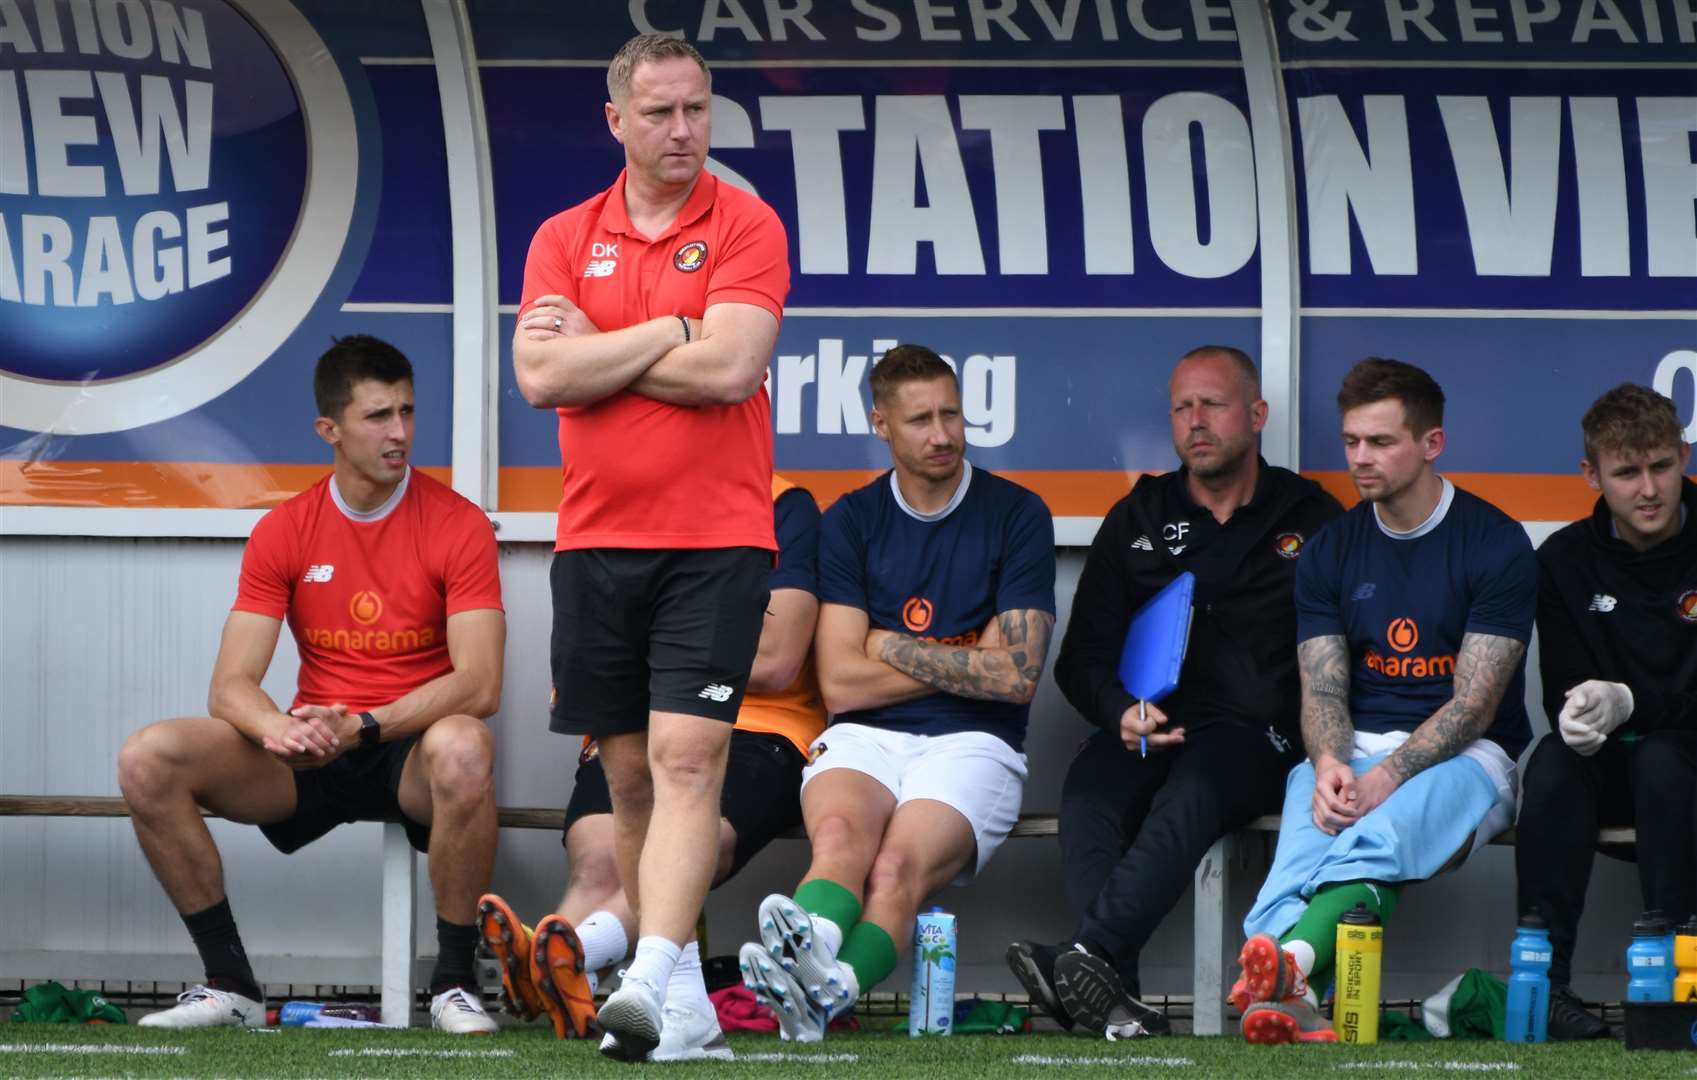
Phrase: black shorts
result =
(358, 786)
(761, 798)
(637, 631)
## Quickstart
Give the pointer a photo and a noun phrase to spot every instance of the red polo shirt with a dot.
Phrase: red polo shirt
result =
(640, 473)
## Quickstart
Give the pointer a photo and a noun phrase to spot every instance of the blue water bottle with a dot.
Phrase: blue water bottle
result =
(1529, 982)
(931, 1010)
(305, 1013)
(1649, 959)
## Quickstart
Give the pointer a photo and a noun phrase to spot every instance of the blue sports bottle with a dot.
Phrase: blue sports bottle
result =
(1528, 1013)
(1649, 959)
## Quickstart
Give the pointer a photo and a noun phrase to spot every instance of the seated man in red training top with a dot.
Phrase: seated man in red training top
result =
(390, 585)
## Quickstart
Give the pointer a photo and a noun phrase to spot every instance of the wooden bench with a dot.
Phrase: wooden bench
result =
(1214, 956)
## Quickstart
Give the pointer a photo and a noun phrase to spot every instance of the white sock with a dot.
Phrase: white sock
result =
(828, 934)
(688, 984)
(1302, 953)
(655, 957)
(603, 939)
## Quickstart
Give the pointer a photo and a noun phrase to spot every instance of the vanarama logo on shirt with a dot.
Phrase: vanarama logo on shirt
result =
(365, 608)
(918, 614)
(1402, 634)
(404, 640)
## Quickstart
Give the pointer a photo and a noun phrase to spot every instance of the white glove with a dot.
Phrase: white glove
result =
(1593, 709)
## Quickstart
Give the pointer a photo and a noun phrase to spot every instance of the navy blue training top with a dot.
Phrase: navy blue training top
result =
(795, 520)
(1404, 604)
(940, 580)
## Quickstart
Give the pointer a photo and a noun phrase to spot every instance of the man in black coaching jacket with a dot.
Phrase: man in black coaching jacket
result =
(1133, 827)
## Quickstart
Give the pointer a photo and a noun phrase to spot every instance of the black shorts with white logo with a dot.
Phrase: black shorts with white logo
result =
(639, 631)
(761, 797)
(360, 785)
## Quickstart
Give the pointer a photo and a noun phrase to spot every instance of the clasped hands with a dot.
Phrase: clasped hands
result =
(312, 736)
(1593, 709)
(1341, 798)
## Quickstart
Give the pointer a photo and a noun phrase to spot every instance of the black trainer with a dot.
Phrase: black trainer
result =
(1570, 1020)
(1091, 992)
(1034, 966)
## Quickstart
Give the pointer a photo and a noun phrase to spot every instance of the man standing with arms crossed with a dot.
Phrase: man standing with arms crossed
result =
(1134, 826)
(1413, 611)
(556, 968)
(1617, 639)
(648, 316)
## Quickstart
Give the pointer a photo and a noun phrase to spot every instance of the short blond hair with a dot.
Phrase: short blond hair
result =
(1628, 420)
(648, 49)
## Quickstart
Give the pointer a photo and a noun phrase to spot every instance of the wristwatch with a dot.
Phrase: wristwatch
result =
(368, 731)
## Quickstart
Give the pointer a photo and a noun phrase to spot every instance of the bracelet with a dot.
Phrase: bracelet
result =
(685, 322)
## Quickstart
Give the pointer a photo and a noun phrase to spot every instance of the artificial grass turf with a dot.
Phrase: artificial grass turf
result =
(36, 1050)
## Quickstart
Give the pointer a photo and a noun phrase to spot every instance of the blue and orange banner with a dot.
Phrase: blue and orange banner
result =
(1061, 198)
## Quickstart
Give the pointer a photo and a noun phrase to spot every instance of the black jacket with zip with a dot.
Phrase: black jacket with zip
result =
(1241, 663)
(1608, 612)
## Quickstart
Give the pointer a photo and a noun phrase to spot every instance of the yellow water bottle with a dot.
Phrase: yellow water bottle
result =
(1361, 942)
(1685, 961)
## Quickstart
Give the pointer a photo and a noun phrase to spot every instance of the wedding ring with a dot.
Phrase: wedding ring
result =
(557, 324)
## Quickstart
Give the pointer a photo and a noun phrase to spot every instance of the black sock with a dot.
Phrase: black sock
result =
(456, 950)
(220, 945)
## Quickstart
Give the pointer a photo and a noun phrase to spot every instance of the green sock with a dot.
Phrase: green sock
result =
(869, 950)
(821, 896)
(1318, 927)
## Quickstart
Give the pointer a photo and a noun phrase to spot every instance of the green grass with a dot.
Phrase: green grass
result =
(34, 1050)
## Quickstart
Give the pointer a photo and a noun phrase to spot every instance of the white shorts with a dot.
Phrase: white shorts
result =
(977, 774)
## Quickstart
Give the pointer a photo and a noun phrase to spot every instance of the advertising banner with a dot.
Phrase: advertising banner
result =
(1503, 194)
(1058, 195)
(188, 196)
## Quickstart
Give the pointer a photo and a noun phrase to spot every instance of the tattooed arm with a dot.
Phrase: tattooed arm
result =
(1483, 670)
(1004, 669)
(1328, 734)
(849, 678)
(1327, 731)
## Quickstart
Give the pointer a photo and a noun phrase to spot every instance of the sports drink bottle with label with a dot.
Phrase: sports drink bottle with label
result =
(1528, 1012)
(1685, 961)
(931, 1010)
(1649, 960)
(1361, 943)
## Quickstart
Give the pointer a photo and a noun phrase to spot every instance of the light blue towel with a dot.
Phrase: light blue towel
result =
(1408, 837)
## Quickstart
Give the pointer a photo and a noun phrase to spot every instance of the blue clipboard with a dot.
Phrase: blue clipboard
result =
(1156, 641)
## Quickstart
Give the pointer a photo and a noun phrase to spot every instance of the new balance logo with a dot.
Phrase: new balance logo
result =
(1602, 602)
(318, 573)
(600, 268)
(1143, 543)
(1363, 592)
(716, 692)
(1280, 743)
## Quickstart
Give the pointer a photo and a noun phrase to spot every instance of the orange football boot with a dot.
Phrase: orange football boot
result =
(508, 941)
(557, 968)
